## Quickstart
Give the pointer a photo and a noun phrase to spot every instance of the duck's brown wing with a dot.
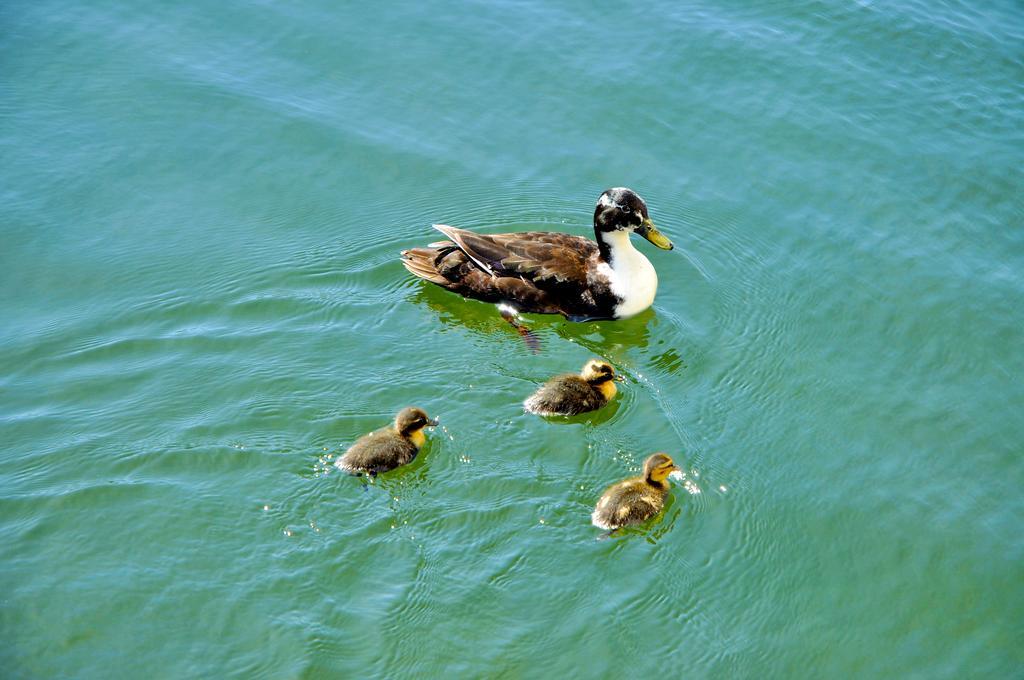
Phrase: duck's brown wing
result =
(540, 272)
(546, 259)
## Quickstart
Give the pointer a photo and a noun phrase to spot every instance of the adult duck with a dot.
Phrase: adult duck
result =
(549, 272)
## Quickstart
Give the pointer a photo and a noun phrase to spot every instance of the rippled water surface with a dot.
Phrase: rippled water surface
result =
(203, 205)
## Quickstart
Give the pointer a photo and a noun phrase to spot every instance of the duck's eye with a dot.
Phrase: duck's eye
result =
(626, 209)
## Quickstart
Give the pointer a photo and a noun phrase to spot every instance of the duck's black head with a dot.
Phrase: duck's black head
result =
(411, 420)
(622, 209)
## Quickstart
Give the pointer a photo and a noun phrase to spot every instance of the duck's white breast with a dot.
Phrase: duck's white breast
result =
(631, 276)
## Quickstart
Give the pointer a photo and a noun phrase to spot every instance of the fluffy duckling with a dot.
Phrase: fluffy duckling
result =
(571, 394)
(635, 500)
(387, 448)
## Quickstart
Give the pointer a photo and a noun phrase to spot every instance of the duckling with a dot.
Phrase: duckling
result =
(571, 394)
(635, 500)
(389, 447)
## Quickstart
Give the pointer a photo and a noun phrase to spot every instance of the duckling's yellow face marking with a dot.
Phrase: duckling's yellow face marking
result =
(410, 423)
(658, 467)
(601, 375)
(608, 389)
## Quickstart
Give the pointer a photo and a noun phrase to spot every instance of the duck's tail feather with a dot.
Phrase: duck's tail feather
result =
(420, 261)
(458, 237)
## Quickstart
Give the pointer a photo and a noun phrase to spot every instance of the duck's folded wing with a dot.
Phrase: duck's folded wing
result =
(545, 259)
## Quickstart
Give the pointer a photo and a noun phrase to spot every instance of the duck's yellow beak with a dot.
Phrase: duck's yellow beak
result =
(651, 233)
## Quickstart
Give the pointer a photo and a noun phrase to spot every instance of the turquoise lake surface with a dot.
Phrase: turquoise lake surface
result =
(203, 306)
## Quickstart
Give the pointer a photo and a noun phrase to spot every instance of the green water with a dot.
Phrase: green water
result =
(202, 208)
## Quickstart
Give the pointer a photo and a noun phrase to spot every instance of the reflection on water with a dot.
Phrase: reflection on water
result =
(610, 337)
(669, 361)
(454, 311)
(665, 522)
(601, 338)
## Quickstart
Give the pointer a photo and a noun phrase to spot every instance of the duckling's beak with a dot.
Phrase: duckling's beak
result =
(434, 422)
(619, 378)
(651, 233)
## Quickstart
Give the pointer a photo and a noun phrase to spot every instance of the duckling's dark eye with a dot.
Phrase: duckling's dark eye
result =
(626, 209)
